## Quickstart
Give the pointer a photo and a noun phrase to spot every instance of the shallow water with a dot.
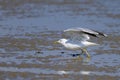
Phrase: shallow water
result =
(28, 30)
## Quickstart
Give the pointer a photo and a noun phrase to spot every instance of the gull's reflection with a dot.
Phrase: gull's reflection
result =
(81, 57)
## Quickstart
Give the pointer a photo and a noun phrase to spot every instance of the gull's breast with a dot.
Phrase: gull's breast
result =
(72, 46)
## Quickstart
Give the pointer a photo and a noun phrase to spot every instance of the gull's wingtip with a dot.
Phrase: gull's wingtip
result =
(105, 35)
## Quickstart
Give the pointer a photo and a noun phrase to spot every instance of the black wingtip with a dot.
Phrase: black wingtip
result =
(100, 33)
(105, 35)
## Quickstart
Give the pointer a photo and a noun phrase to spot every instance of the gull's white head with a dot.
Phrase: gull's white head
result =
(62, 41)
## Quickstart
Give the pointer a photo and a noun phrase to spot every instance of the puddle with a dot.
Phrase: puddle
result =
(28, 30)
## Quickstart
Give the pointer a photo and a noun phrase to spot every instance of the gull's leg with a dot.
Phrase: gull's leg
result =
(84, 50)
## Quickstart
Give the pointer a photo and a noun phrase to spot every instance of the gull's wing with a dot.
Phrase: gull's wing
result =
(82, 33)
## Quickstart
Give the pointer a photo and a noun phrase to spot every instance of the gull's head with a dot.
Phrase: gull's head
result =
(62, 41)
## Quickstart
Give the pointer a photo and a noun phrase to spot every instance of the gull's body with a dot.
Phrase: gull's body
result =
(79, 39)
(76, 46)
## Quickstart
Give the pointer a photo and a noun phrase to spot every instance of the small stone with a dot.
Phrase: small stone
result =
(62, 52)
(39, 52)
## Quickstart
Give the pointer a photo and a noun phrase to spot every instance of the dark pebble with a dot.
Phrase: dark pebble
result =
(39, 52)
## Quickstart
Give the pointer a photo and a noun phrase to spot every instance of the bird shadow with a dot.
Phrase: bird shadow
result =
(75, 55)
(81, 57)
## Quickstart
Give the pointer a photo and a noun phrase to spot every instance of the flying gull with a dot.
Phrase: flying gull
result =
(79, 39)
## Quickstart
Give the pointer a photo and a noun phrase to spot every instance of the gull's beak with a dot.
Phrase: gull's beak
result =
(56, 42)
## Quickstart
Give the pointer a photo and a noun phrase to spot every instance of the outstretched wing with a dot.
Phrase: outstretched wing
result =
(82, 33)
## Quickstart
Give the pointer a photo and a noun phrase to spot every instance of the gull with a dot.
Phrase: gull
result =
(79, 39)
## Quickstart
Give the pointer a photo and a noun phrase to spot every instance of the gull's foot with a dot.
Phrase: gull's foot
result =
(83, 59)
(86, 60)
(88, 56)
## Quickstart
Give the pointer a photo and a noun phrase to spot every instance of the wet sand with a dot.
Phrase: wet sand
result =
(28, 30)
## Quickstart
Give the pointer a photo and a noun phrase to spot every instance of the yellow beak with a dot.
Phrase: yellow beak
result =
(56, 42)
